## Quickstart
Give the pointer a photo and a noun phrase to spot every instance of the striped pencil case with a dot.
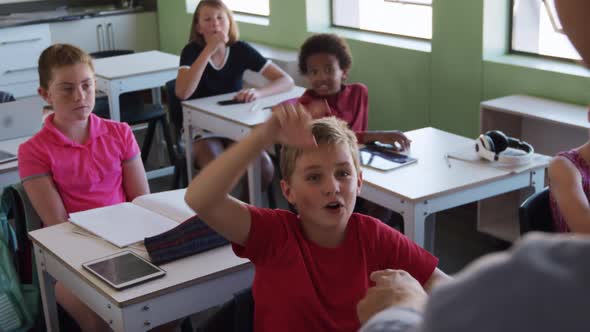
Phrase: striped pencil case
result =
(188, 238)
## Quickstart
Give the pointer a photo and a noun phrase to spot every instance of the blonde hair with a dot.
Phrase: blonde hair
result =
(195, 36)
(57, 56)
(327, 130)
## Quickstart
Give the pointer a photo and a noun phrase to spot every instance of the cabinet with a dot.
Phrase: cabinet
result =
(138, 32)
(20, 48)
(549, 126)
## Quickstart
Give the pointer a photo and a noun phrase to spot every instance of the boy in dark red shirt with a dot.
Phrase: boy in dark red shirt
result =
(325, 60)
(313, 267)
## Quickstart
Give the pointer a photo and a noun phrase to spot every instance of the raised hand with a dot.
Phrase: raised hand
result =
(292, 125)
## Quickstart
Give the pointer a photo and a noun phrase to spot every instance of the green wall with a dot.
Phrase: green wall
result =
(413, 84)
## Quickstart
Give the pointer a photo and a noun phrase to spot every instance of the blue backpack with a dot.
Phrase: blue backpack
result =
(19, 302)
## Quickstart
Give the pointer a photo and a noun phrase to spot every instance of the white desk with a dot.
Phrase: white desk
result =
(190, 285)
(9, 170)
(19, 120)
(134, 72)
(430, 185)
(231, 121)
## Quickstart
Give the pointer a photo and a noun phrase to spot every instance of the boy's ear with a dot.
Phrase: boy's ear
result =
(286, 189)
(44, 94)
(359, 182)
(345, 75)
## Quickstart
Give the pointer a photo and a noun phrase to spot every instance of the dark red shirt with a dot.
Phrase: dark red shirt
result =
(300, 286)
(351, 104)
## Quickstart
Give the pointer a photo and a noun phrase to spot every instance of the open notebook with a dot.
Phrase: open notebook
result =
(128, 223)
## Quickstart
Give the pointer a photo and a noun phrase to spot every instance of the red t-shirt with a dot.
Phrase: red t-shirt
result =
(351, 104)
(300, 286)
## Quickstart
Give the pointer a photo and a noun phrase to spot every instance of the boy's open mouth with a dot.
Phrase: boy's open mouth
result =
(333, 205)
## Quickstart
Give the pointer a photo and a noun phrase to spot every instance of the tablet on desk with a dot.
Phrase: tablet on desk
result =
(123, 269)
(383, 159)
(6, 157)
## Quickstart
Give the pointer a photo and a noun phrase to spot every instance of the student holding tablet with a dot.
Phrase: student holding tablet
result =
(77, 161)
(213, 63)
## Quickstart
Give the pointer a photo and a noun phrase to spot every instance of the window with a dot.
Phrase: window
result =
(411, 18)
(536, 30)
(251, 7)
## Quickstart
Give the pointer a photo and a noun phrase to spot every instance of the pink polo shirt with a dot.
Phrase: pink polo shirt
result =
(88, 175)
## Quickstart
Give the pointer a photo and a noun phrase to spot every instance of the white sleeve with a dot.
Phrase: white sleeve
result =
(393, 319)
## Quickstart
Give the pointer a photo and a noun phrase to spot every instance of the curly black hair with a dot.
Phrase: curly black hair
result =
(325, 43)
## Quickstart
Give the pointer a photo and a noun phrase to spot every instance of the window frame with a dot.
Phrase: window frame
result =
(252, 14)
(238, 12)
(511, 49)
(381, 33)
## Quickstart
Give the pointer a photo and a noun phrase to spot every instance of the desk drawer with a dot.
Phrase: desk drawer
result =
(20, 48)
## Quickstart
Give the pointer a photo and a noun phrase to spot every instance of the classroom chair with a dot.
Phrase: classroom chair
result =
(17, 218)
(534, 213)
(235, 315)
(6, 97)
(135, 111)
(175, 112)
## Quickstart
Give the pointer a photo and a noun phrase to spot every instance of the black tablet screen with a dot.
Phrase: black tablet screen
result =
(124, 268)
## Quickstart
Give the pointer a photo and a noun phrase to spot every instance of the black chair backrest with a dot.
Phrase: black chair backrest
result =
(535, 213)
(174, 107)
(235, 315)
(110, 53)
(6, 97)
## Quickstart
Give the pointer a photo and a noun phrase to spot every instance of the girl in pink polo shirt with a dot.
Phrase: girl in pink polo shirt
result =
(77, 161)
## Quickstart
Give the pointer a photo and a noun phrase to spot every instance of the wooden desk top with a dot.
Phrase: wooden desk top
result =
(541, 109)
(249, 114)
(73, 249)
(135, 64)
(431, 175)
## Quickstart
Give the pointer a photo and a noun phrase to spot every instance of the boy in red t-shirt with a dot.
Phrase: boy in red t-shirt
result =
(313, 267)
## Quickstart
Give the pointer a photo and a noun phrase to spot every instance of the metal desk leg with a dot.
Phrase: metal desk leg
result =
(113, 94)
(46, 285)
(157, 96)
(415, 216)
(538, 179)
(161, 157)
(254, 183)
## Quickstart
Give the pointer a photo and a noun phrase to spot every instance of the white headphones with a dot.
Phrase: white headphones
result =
(493, 144)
